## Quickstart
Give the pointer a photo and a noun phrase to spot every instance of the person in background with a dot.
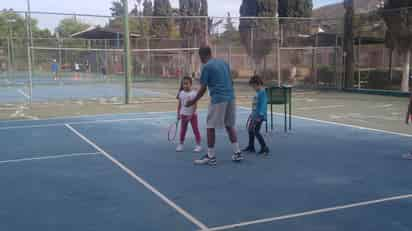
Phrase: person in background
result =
(54, 69)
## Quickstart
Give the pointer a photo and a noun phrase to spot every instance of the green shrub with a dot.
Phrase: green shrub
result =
(235, 74)
(378, 79)
(326, 74)
(269, 75)
(396, 77)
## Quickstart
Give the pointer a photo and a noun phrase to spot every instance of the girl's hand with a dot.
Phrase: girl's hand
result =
(190, 103)
(258, 119)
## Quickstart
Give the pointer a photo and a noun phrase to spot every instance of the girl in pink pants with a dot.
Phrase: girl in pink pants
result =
(187, 114)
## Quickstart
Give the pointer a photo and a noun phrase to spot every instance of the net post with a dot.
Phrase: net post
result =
(358, 62)
(126, 38)
(314, 57)
(29, 56)
(59, 46)
(336, 62)
(206, 30)
(9, 57)
(278, 41)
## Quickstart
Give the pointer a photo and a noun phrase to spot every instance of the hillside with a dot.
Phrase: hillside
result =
(337, 10)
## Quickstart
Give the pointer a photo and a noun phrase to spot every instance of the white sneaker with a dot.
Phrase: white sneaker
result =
(179, 148)
(407, 156)
(206, 160)
(198, 148)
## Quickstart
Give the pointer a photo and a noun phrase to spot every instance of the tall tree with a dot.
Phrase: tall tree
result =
(348, 44)
(229, 23)
(295, 9)
(398, 19)
(147, 11)
(258, 35)
(13, 27)
(117, 8)
(231, 34)
(193, 30)
(293, 28)
(69, 26)
(138, 5)
(11, 22)
(161, 27)
(147, 8)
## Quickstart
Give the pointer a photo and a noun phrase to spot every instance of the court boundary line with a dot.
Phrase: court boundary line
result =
(140, 180)
(23, 93)
(85, 116)
(321, 107)
(83, 122)
(311, 212)
(58, 156)
(165, 117)
(341, 124)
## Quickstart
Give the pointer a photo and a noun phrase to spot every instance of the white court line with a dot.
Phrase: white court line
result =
(354, 126)
(320, 107)
(85, 122)
(23, 93)
(141, 181)
(89, 116)
(382, 106)
(50, 157)
(312, 212)
(342, 124)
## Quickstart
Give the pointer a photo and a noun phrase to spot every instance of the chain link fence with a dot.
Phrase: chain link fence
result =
(81, 57)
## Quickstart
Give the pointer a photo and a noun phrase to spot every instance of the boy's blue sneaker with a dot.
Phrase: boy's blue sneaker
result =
(249, 150)
(264, 151)
(407, 156)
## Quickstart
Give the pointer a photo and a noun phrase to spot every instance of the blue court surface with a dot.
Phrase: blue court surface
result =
(119, 172)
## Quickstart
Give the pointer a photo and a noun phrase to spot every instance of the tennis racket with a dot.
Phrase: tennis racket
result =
(172, 132)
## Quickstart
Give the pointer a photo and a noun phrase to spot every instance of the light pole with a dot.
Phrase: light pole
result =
(29, 50)
(127, 60)
(10, 44)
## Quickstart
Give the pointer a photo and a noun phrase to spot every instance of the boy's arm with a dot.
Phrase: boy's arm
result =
(261, 101)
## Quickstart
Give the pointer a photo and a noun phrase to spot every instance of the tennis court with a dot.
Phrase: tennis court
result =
(112, 172)
(85, 86)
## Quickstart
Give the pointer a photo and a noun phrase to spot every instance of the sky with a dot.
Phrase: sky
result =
(216, 8)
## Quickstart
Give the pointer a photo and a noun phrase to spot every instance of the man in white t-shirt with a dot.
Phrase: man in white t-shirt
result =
(76, 70)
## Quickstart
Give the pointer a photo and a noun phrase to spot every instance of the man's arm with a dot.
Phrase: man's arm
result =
(408, 114)
(199, 95)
